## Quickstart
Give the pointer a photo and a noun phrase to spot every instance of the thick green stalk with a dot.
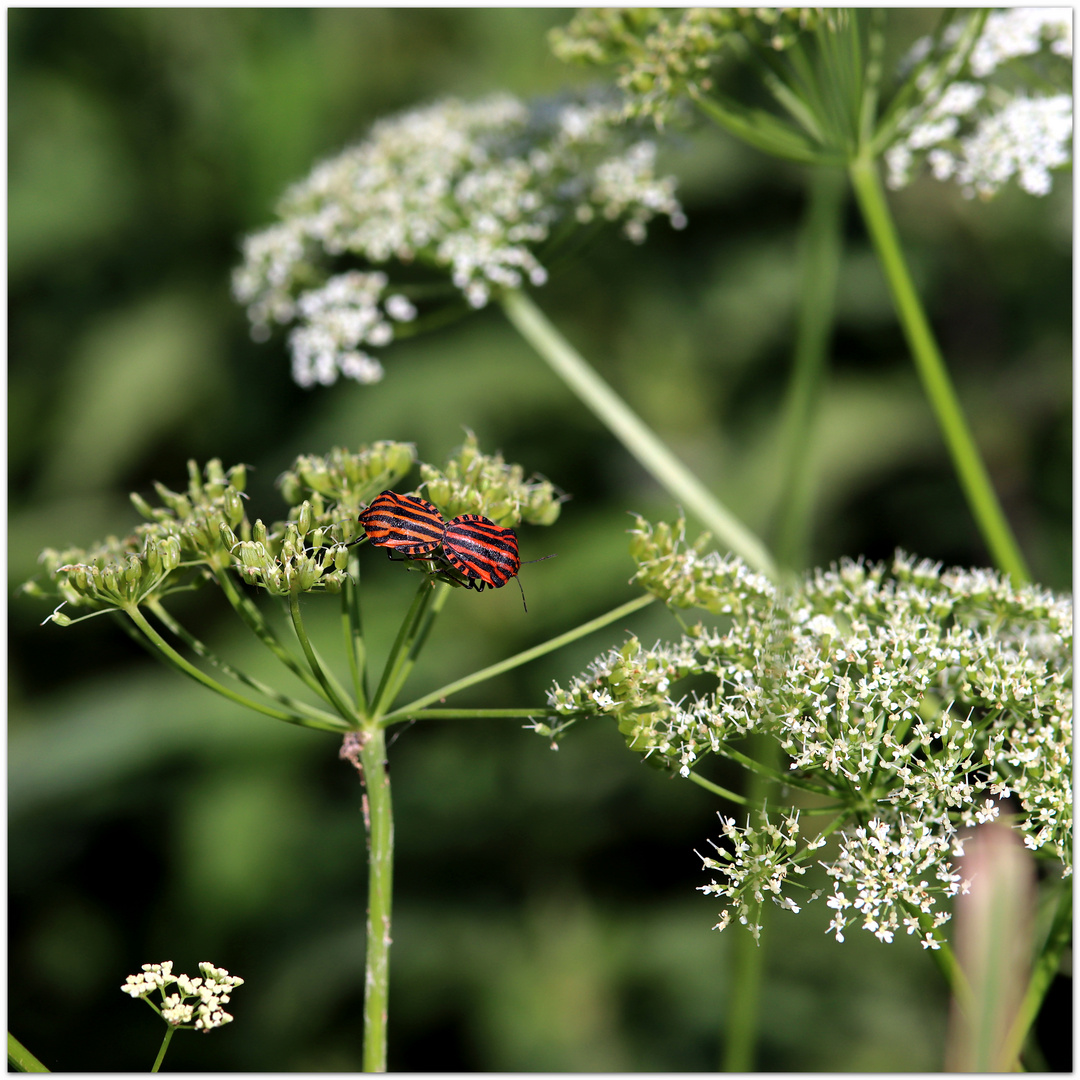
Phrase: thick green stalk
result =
(406, 712)
(380, 828)
(20, 1059)
(969, 466)
(819, 265)
(632, 432)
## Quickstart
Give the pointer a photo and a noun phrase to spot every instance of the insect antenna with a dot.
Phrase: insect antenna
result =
(518, 580)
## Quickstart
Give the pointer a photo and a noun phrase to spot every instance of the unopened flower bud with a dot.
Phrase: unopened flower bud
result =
(303, 522)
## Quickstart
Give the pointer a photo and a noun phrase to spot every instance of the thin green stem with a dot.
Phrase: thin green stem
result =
(333, 692)
(169, 1030)
(748, 953)
(399, 650)
(258, 625)
(407, 711)
(716, 789)
(474, 714)
(353, 629)
(762, 769)
(20, 1059)
(969, 466)
(202, 650)
(407, 657)
(380, 829)
(1042, 975)
(170, 655)
(628, 427)
(819, 266)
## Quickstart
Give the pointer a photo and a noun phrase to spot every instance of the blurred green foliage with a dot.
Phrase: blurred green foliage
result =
(545, 912)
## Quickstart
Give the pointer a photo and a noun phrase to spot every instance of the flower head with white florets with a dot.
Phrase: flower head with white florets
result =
(469, 192)
(992, 117)
(914, 701)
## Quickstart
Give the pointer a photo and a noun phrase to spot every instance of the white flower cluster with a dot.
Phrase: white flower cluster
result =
(982, 133)
(198, 1002)
(757, 863)
(889, 867)
(914, 698)
(465, 190)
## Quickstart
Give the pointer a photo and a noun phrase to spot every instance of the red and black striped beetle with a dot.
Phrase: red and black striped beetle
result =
(403, 523)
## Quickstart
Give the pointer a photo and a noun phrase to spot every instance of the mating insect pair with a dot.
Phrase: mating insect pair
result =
(485, 554)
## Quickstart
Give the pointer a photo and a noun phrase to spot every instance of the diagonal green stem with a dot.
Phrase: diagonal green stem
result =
(406, 711)
(969, 466)
(406, 658)
(761, 769)
(200, 649)
(332, 691)
(819, 267)
(20, 1059)
(399, 650)
(632, 432)
(716, 789)
(258, 625)
(169, 654)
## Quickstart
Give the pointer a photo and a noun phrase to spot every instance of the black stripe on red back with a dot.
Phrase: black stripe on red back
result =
(405, 523)
(481, 550)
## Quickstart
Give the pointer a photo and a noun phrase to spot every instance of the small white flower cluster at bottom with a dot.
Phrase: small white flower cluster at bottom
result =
(211, 990)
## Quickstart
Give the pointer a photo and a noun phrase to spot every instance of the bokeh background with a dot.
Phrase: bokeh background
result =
(546, 913)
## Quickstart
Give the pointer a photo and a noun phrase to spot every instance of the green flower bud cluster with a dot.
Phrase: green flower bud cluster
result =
(214, 498)
(115, 575)
(631, 685)
(340, 484)
(685, 575)
(299, 560)
(476, 483)
(663, 55)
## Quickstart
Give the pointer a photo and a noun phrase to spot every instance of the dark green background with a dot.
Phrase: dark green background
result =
(546, 917)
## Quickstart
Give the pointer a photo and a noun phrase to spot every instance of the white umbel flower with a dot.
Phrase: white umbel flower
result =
(982, 132)
(466, 190)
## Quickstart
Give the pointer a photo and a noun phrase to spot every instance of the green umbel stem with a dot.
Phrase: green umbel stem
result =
(820, 266)
(935, 377)
(164, 1046)
(632, 431)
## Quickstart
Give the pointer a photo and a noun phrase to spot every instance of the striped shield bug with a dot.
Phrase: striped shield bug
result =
(403, 523)
(484, 553)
